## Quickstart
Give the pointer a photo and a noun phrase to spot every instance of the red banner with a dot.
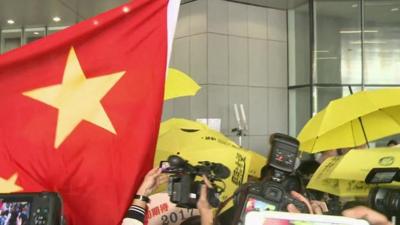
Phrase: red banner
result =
(80, 111)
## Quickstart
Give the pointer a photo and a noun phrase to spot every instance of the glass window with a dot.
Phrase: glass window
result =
(33, 34)
(326, 94)
(10, 39)
(337, 49)
(299, 110)
(299, 45)
(51, 30)
(355, 42)
(382, 42)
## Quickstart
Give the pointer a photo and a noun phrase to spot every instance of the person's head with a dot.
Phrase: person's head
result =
(343, 151)
(266, 172)
(392, 143)
(322, 156)
(363, 146)
(308, 168)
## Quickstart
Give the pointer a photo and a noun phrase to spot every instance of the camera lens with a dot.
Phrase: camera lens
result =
(385, 200)
(176, 161)
(274, 194)
(221, 171)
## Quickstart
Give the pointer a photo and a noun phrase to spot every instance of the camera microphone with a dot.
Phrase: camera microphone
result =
(221, 171)
(176, 161)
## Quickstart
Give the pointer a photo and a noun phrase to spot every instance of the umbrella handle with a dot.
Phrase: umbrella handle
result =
(361, 123)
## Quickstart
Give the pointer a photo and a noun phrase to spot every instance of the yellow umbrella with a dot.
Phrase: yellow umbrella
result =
(175, 133)
(345, 175)
(178, 84)
(353, 121)
(196, 142)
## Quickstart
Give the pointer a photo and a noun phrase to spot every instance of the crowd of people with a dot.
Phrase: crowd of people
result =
(136, 213)
(14, 213)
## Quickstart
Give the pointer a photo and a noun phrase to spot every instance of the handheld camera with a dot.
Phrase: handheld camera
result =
(273, 192)
(385, 200)
(43, 208)
(183, 190)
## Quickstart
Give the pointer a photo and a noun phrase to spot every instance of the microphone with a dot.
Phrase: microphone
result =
(176, 161)
(221, 171)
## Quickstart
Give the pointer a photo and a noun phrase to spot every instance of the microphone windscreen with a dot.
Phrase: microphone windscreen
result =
(221, 171)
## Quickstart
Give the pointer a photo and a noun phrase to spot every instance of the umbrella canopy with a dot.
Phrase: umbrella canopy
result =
(181, 133)
(353, 120)
(196, 142)
(345, 175)
(178, 84)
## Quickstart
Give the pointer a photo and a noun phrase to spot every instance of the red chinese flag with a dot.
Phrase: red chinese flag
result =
(80, 111)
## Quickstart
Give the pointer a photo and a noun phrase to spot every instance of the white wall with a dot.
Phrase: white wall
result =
(237, 53)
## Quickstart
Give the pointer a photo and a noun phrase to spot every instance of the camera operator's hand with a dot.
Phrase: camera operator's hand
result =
(314, 207)
(319, 207)
(151, 181)
(293, 209)
(204, 207)
(136, 212)
(362, 212)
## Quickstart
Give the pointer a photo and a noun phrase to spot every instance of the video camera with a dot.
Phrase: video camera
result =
(273, 192)
(43, 208)
(183, 190)
(383, 175)
(385, 200)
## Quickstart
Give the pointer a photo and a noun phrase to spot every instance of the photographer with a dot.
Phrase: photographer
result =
(358, 212)
(153, 179)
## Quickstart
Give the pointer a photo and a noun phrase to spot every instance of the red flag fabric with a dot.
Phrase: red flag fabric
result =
(80, 110)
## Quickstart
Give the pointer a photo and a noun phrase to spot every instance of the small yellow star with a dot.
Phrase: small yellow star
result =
(77, 98)
(8, 186)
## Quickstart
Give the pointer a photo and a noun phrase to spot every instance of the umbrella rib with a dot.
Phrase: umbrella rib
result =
(315, 141)
(365, 135)
(352, 132)
(363, 130)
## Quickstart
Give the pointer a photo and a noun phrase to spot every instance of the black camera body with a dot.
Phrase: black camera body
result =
(42, 208)
(183, 190)
(273, 192)
(274, 196)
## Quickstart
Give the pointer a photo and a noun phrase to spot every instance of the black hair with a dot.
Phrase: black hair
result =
(293, 183)
(308, 167)
(266, 172)
(392, 142)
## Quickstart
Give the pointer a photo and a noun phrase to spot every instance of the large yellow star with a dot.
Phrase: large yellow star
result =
(77, 98)
(8, 185)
